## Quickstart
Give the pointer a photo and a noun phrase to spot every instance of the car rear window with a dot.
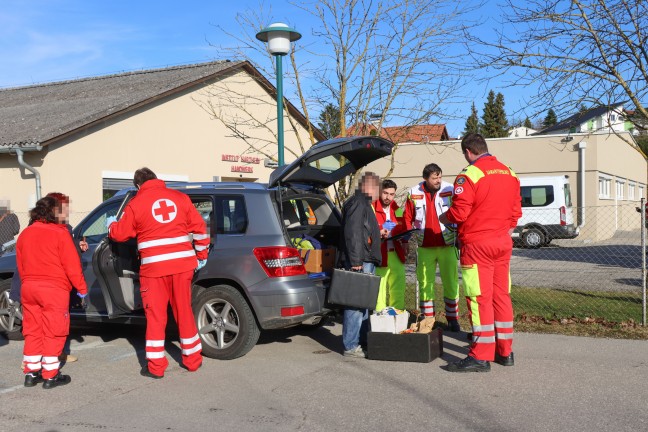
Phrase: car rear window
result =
(231, 215)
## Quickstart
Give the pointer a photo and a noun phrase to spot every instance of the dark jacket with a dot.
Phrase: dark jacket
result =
(360, 240)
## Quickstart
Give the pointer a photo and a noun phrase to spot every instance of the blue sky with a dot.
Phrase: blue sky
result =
(52, 40)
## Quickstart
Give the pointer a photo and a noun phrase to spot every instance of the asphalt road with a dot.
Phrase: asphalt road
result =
(296, 380)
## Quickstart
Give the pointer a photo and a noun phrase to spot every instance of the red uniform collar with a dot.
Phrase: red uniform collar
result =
(153, 184)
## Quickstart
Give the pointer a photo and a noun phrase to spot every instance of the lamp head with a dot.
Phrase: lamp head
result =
(278, 36)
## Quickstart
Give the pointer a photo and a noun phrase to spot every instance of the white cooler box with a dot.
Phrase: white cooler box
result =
(389, 323)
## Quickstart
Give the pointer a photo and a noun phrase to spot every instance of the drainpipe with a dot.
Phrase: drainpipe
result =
(30, 168)
(581, 184)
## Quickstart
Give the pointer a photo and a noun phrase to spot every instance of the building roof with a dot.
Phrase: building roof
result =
(579, 118)
(403, 134)
(48, 112)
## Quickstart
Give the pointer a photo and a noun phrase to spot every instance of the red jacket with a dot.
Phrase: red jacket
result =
(486, 202)
(399, 246)
(434, 205)
(168, 228)
(45, 252)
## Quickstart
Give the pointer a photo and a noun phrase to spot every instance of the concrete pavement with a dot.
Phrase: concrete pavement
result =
(297, 380)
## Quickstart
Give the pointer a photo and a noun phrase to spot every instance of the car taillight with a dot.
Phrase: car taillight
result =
(292, 311)
(279, 261)
(563, 216)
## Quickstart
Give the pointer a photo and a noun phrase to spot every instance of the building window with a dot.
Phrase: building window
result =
(641, 193)
(620, 186)
(631, 191)
(604, 188)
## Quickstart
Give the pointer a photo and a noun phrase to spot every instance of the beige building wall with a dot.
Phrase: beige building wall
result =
(177, 137)
(606, 155)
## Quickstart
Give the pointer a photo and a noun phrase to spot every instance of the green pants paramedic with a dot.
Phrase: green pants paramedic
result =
(392, 283)
(446, 258)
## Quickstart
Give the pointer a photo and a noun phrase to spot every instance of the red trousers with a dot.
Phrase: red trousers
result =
(157, 293)
(46, 324)
(485, 269)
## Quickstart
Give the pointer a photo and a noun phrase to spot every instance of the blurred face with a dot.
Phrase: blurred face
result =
(371, 188)
(433, 183)
(62, 213)
(387, 196)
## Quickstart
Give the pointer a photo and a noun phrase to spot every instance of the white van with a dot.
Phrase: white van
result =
(546, 211)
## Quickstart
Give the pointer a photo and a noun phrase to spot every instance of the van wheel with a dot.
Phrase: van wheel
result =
(10, 313)
(532, 238)
(226, 324)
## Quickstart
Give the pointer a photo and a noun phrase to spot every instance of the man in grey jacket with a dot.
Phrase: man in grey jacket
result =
(361, 252)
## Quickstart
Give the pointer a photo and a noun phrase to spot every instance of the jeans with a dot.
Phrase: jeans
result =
(355, 323)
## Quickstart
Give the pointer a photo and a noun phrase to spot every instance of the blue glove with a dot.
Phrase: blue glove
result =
(82, 295)
(201, 264)
(389, 225)
(110, 220)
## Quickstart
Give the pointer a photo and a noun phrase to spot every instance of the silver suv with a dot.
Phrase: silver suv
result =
(254, 278)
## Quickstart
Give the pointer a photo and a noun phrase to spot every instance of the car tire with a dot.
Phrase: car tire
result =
(225, 322)
(10, 313)
(532, 238)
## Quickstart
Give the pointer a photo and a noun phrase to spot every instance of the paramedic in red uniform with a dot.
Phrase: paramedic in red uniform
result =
(173, 242)
(486, 207)
(49, 266)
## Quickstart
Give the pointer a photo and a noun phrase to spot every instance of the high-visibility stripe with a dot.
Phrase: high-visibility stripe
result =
(51, 366)
(483, 339)
(192, 350)
(32, 359)
(168, 256)
(504, 324)
(190, 340)
(503, 336)
(200, 236)
(474, 173)
(451, 314)
(201, 248)
(483, 328)
(34, 366)
(474, 312)
(163, 242)
(154, 354)
(155, 343)
(50, 359)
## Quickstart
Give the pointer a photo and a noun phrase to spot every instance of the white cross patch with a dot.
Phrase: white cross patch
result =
(164, 210)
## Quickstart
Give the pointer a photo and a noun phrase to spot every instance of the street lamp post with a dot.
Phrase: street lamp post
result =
(278, 37)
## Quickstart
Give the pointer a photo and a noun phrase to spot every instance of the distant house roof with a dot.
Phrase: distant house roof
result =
(48, 112)
(403, 134)
(579, 118)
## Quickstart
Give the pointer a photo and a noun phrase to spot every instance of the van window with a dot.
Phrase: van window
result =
(568, 202)
(536, 196)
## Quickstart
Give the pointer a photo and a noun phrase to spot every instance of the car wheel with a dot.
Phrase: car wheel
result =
(226, 324)
(532, 238)
(10, 313)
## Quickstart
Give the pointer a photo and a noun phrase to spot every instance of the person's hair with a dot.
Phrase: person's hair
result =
(44, 210)
(58, 196)
(389, 184)
(431, 169)
(143, 175)
(475, 143)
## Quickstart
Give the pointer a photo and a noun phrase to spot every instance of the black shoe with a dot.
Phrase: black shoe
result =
(33, 378)
(147, 373)
(453, 326)
(58, 380)
(469, 364)
(505, 361)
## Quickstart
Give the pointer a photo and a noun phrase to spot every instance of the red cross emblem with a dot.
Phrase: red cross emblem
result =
(164, 210)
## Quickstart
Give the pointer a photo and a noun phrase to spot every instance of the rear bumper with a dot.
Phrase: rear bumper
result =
(553, 231)
(270, 296)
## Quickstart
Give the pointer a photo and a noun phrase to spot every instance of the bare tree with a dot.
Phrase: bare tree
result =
(388, 60)
(575, 52)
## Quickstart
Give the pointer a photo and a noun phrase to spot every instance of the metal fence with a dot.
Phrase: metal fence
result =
(598, 275)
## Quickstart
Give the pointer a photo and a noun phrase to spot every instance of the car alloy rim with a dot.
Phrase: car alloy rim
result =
(533, 239)
(218, 323)
(9, 312)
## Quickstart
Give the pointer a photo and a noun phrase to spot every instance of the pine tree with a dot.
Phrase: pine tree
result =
(551, 119)
(527, 123)
(472, 122)
(329, 122)
(494, 124)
